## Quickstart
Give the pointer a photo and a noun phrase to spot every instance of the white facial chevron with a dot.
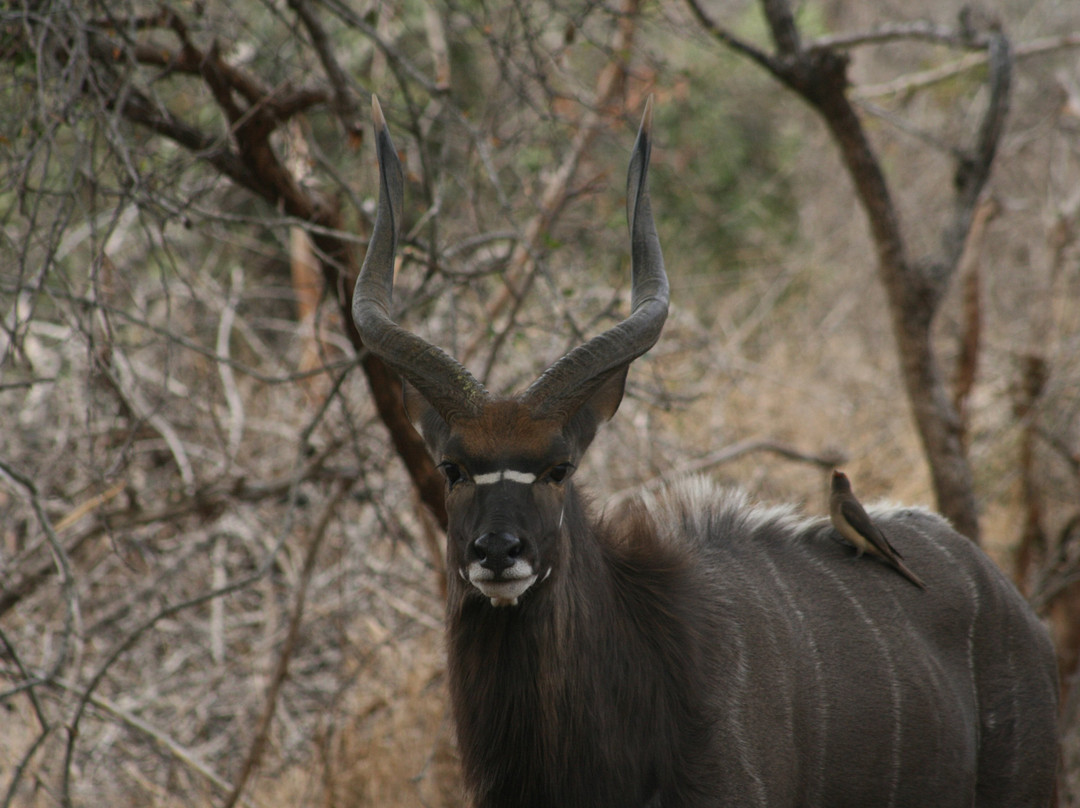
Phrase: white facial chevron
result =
(523, 477)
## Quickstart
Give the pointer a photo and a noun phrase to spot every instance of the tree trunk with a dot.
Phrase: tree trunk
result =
(818, 74)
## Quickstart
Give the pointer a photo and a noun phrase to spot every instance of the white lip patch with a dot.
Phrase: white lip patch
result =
(492, 477)
(507, 590)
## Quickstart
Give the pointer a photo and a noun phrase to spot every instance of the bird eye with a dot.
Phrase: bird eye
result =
(453, 473)
(560, 472)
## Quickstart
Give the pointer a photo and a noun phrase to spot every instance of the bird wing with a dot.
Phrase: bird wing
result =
(858, 518)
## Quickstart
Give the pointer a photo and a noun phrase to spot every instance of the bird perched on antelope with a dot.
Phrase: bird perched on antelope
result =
(676, 653)
(854, 524)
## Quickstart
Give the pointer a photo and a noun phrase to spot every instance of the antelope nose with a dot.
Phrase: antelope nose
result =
(497, 551)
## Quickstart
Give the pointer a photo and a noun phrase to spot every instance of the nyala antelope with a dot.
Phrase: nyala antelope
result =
(695, 650)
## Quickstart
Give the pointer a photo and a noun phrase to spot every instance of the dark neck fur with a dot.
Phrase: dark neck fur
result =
(589, 691)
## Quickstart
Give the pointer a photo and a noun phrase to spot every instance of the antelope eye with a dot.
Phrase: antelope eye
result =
(453, 473)
(560, 472)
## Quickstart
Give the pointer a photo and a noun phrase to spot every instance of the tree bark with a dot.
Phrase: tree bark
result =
(255, 111)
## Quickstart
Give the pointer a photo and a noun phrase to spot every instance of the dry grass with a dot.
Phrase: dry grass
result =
(166, 684)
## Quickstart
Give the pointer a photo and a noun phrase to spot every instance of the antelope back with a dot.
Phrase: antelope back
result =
(838, 683)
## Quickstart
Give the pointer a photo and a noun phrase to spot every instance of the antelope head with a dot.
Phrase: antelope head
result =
(509, 462)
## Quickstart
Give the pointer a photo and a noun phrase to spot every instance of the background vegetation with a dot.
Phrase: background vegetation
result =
(220, 554)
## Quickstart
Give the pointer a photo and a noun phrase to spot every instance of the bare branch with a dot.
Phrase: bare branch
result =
(970, 272)
(281, 668)
(207, 502)
(915, 289)
(30, 686)
(935, 75)
(225, 372)
(902, 125)
(133, 637)
(163, 739)
(394, 54)
(782, 24)
(344, 103)
(60, 561)
(523, 266)
(973, 168)
(440, 51)
(139, 109)
(1055, 580)
(825, 459)
(183, 341)
(1033, 541)
(729, 40)
(257, 167)
(918, 30)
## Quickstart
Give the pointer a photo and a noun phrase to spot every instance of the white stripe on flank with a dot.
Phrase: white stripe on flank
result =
(820, 726)
(493, 477)
(891, 779)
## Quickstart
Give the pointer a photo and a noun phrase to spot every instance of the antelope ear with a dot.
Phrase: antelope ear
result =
(600, 405)
(424, 417)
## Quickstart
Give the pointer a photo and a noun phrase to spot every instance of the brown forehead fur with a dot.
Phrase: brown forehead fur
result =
(506, 427)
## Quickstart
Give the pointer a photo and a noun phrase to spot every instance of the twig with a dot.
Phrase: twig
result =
(124, 645)
(966, 63)
(393, 54)
(1056, 578)
(406, 609)
(168, 611)
(728, 39)
(344, 103)
(169, 744)
(973, 166)
(219, 577)
(523, 266)
(124, 384)
(922, 30)
(17, 659)
(205, 501)
(915, 289)
(29, 685)
(233, 399)
(970, 272)
(827, 459)
(901, 125)
(60, 560)
(182, 341)
(281, 669)
(20, 767)
(89, 506)
(437, 47)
